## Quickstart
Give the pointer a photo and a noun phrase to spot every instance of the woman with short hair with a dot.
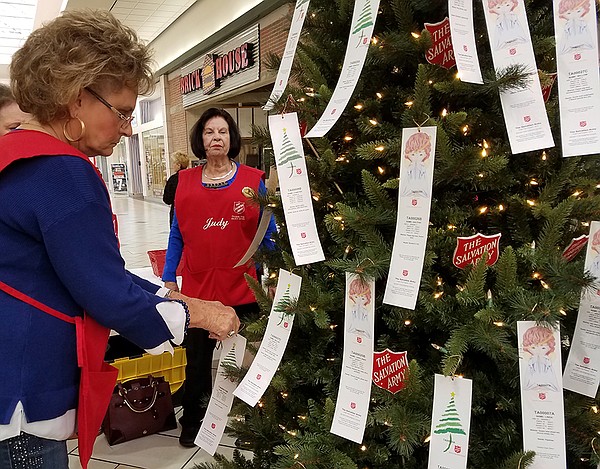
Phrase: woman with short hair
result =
(63, 283)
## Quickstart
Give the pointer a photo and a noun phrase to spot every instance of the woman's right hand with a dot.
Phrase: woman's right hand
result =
(172, 286)
(219, 320)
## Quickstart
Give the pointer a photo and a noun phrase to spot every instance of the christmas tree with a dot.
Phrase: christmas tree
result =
(465, 319)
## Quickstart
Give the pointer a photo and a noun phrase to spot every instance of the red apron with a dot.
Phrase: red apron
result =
(97, 379)
(217, 227)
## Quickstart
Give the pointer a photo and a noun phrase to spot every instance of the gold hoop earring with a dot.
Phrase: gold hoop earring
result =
(66, 133)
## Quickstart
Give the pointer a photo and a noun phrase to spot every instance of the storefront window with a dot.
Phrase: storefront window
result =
(156, 170)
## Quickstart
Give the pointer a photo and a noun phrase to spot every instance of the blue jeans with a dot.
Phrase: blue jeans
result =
(32, 452)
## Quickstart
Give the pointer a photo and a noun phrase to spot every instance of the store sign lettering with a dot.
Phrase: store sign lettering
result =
(225, 65)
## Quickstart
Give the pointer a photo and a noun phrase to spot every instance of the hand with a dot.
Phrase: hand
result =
(172, 286)
(219, 320)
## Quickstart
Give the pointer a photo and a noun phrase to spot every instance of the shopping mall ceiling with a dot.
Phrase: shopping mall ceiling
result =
(18, 17)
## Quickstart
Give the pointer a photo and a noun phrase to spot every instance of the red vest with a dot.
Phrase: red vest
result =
(98, 379)
(217, 227)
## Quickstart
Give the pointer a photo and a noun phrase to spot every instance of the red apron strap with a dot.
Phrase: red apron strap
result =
(36, 304)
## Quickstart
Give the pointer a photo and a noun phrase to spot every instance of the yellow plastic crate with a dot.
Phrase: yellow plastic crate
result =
(172, 368)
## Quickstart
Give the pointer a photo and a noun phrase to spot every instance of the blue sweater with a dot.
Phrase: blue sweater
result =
(58, 246)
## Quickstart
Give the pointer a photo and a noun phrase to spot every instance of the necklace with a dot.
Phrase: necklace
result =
(220, 177)
(34, 125)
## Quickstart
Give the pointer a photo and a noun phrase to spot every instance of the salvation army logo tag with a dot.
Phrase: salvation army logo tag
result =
(586, 360)
(582, 123)
(577, 56)
(457, 449)
(527, 118)
(389, 370)
(470, 249)
(574, 247)
(441, 52)
(213, 426)
(353, 405)
(542, 396)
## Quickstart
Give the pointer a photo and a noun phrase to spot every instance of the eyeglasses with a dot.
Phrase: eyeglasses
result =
(125, 120)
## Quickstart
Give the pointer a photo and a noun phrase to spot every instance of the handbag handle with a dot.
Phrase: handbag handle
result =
(123, 394)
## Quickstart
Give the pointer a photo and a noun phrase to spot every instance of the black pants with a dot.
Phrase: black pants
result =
(198, 371)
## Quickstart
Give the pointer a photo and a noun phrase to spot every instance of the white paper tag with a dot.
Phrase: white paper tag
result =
(354, 394)
(542, 395)
(582, 371)
(285, 67)
(450, 423)
(295, 189)
(578, 76)
(361, 30)
(412, 224)
(462, 31)
(221, 398)
(524, 109)
(274, 343)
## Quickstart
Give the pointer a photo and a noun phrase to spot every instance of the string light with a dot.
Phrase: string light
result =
(437, 295)
(273, 275)
(500, 207)
(465, 130)
(374, 40)
(358, 106)
(439, 281)
(348, 138)
(380, 169)
(533, 182)
(312, 308)
(544, 156)
(536, 275)
(363, 448)
(585, 223)
(577, 193)
(373, 121)
(315, 197)
(408, 103)
(485, 144)
(499, 323)
(563, 312)
(380, 148)
(302, 100)
(484, 153)
(430, 82)
(480, 175)
(379, 95)
(451, 227)
(415, 35)
(482, 210)
(444, 112)
(458, 76)
(594, 409)
(407, 322)
(545, 285)
(530, 202)
(338, 218)
(427, 439)
(347, 250)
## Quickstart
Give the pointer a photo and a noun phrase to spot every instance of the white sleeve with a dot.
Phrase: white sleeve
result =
(174, 316)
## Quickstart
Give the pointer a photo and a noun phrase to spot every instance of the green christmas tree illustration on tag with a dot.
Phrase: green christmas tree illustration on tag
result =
(289, 154)
(228, 361)
(283, 303)
(363, 22)
(450, 422)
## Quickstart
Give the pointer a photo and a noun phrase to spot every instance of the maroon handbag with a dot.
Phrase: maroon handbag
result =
(139, 407)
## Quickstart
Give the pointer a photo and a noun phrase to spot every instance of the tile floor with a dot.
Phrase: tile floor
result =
(144, 226)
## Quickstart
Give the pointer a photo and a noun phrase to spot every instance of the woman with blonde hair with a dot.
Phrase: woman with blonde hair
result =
(63, 283)
(179, 161)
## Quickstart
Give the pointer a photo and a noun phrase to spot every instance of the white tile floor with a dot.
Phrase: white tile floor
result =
(144, 226)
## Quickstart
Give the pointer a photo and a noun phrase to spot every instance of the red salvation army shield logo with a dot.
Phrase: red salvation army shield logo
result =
(389, 370)
(353, 405)
(470, 249)
(586, 360)
(457, 449)
(542, 396)
(239, 207)
(441, 51)
(582, 123)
